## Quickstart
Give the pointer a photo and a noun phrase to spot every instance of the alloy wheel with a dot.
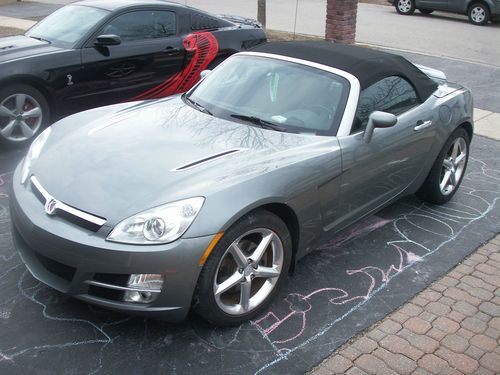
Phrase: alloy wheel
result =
(20, 117)
(248, 271)
(453, 166)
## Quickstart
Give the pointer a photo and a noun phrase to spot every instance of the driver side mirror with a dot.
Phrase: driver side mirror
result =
(378, 119)
(108, 40)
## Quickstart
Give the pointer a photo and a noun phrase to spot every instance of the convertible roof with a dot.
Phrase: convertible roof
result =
(367, 64)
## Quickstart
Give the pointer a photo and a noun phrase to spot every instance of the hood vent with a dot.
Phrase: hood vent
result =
(206, 159)
(7, 47)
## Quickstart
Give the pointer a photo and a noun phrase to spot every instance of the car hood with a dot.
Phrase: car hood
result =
(20, 46)
(151, 153)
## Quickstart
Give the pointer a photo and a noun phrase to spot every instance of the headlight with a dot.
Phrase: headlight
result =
(162, 224)
(33, 153)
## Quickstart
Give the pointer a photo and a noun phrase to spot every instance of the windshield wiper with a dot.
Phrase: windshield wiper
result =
(262, 123)
(40, 39)
(197, 105)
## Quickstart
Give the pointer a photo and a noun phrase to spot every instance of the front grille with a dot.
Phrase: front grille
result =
(63, 271)
(106, 293)
(73, 215)
(112, 278)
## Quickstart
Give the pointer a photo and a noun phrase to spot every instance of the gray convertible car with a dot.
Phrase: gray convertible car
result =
(207, 200)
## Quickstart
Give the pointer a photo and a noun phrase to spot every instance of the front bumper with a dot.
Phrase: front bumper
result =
(67, 257)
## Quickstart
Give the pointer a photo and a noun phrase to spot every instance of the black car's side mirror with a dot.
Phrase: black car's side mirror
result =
(378, 119)
(107, 40)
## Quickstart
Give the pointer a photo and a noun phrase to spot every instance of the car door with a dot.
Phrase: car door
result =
(374, 173)
(150, 52)
(432, 4)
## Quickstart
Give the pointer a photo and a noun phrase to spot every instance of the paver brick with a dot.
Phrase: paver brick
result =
(480, 258)
(464, 332)
(411, 310)
(461, 295)
(473, 324)
(474, 352)
(446, 325)
(399, 317)
(490, 279)
(484, 342)
(456, 316)
(476, 292)
(372, 365)
(482, 316)
(427, 316)
(417, 325)
(493, 333)
(438, 308)
(433, 364)
(483, 371)
(456, 343)
(465, 269)
(355, 371)
(436, 334)
(423, 342)
(459, 361)
(494, 323)
(399, 345)
(365, 345)
(376, 334)
(490, 309)
(487, 269)
(464, 308)
(390, 326)
(350, 353)
(477, 283)
(398, 362)
(491, 361)
(430, 295)
(448, 281)
(337, 364)
(419, 301)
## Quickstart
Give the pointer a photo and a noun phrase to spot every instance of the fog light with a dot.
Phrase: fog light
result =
(148, 288)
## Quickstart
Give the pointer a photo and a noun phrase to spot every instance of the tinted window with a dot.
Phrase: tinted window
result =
(67, 25)
(142, 25)
(392, 94)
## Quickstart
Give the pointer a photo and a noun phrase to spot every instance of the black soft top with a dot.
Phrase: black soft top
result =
(366, 64)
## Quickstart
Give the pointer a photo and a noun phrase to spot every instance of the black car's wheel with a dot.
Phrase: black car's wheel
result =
(245, 270)
(479, 14)
(405, 7)
(448, 169)
(426, 11)
(24, 112)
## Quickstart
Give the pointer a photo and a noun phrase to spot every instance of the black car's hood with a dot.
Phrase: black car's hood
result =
(115, 165)
(21, 46)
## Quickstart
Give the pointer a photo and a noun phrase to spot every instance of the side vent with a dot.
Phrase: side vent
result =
(206, 159)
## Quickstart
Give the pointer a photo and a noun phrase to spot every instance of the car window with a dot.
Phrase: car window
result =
(142, 25)
(392, 94)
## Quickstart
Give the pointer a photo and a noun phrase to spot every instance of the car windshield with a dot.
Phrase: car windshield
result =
(274, 94)
(67, 25)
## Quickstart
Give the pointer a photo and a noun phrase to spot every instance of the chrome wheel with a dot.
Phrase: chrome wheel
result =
(453, 166)
(404, 6)
(248, 271)
(478, 14)
(20, 117)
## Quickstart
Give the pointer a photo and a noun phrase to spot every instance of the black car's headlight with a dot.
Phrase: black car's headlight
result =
(159, 225)
(33, 153)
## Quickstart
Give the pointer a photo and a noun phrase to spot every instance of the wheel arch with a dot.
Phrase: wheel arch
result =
(471, 3)
(468, 127)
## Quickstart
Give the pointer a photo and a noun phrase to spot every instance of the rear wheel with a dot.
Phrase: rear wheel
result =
(448, 169)
(24, 112)
(479, 14)
(405, 7)
(426, 11)
(245, 270)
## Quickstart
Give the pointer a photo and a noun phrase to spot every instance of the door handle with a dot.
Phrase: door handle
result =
(172, 51)
(421, 125)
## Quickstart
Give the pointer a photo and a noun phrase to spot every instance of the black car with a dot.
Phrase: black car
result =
(93, 53)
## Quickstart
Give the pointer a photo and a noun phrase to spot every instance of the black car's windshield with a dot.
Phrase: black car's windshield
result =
(274, 94)
(67, 25)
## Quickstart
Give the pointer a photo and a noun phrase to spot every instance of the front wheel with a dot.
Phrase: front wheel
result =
(448, 169)
(24, 112)
(479, 14)
(405, 7)
(245, 270)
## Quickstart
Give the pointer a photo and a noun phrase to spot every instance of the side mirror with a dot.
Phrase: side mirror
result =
(378, 119)
(205, 73)
(108, 40)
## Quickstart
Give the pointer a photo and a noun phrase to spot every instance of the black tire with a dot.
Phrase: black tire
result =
(479, 14)
(33, 98)
(430, 191)
(405, 7)
(426, 11)
(204, 300)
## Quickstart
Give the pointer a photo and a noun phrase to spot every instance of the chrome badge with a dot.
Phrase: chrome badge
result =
(50, 206)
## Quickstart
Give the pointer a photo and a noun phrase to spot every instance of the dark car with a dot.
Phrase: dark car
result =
(94, 53)
(478, 11)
